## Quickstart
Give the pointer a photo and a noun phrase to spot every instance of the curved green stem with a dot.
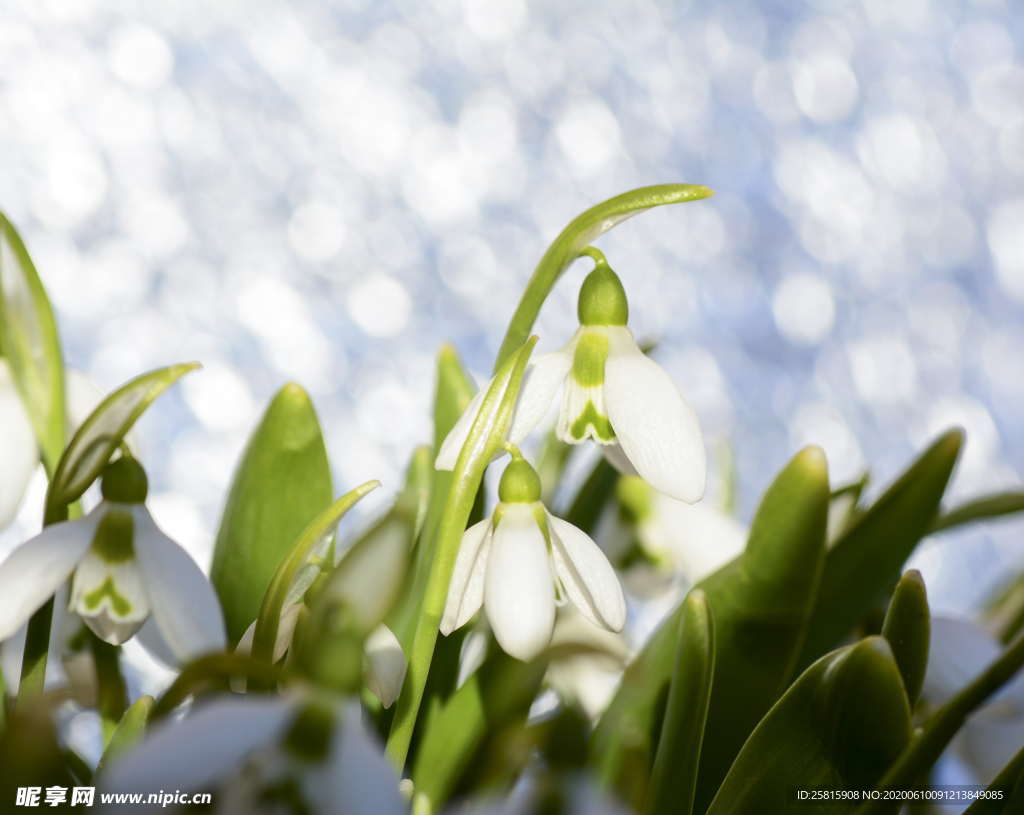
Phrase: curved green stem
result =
(572, 243)
(485, 439)
(212, 669)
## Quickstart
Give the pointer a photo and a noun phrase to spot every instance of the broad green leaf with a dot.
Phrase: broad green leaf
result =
(981, 509)
(762, 601)
(130, 730)
(865, 562)
(103, 432)
(838, 727)
(1007, 789)
(674, 778)
(584, 229)
(30, 342)
(283, 481)
(907, 627)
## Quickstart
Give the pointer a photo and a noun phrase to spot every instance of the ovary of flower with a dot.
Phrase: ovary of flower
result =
(612, 393)
(122, 570)
(522, 562)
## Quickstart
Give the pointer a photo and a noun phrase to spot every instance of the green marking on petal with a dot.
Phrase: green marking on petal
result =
(113, 540)
(589, 358)
(119, 604)
(601, 427)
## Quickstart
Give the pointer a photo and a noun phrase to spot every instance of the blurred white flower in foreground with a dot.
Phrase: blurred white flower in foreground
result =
(17, 438)
(266, 755)
(122, 570)
(960, 650)
(522, 561)
(613, 393)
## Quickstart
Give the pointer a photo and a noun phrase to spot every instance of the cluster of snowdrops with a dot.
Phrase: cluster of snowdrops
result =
(621, 644)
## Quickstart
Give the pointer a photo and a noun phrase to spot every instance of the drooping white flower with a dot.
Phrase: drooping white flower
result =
(522, 562)
(612, 393)
(959, 651)
(17, 438)
(122, 569)
(265, 755)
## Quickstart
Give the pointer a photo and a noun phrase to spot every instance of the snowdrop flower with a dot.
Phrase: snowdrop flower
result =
(522, 562)
(266, 755)
(959, 651)
(18, 440)
(611, 393)
(122, 570)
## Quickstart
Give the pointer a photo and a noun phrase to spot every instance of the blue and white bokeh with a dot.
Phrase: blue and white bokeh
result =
(326, 192)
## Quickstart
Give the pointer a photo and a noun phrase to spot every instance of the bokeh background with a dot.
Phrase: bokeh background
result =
(325, 192)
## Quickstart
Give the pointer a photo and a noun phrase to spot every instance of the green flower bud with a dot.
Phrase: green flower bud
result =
(602, 299)
(124, 481)
(520, 483)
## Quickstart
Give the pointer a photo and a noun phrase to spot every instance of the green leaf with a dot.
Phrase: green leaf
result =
(907, 627)
(103, 432)
(1010, 786)
(30, 342)
(762, 602)
(453, 391)
(585, 228)
(283, 481)
(865, 562)
(674, 778)
(838, 727)
(129, 731)
(593, 496)
(981, 509)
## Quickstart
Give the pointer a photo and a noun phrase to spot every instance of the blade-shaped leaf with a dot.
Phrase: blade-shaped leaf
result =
(585, 228)
(129, 731)
(30, 342)
(864, 564)
(907, 627)
(837, 727)
(674, 778)
(103, 432)
(282, 482)
(981, 509)
(762, 602)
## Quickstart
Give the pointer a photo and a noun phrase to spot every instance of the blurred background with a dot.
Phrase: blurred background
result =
(325, 192)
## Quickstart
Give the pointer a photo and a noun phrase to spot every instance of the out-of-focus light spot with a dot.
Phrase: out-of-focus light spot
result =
(999, 95)
(219, 397)
(1006, 242)
(824, 87)
(588, 134)
(884, 370)
(904, 153)
(804, 308)
(76, 179)
(960, 410)
(1000, 362)
(822, 424)
(380, 305)
(981, 44)
(176, 514)
(491, 20)
(155, 223)
(140, 56)
(773, 93)
(949, 238)
(316, 231)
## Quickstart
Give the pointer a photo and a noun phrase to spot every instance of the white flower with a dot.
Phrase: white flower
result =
(959, 651)
(522, 561)
(17, 438)
(265, 754)
(122, 570)
(611, 393)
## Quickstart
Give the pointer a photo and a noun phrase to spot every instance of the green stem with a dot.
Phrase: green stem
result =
(215, 670)
(111, 694)
(571, 243)
(485, 438)
(922, 753)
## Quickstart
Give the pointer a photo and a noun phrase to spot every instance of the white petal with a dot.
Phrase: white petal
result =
(448, 455)
(194, 752)
(104, 614)
(658, 431)
(519, 593)
(588, 577)
(183, 602)
(362, 778)
(613, 453)
(698, 538)
(18, 443)
(35, 570)
(472, 653)
(543, 377)
(385, 665)
(466, 589)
